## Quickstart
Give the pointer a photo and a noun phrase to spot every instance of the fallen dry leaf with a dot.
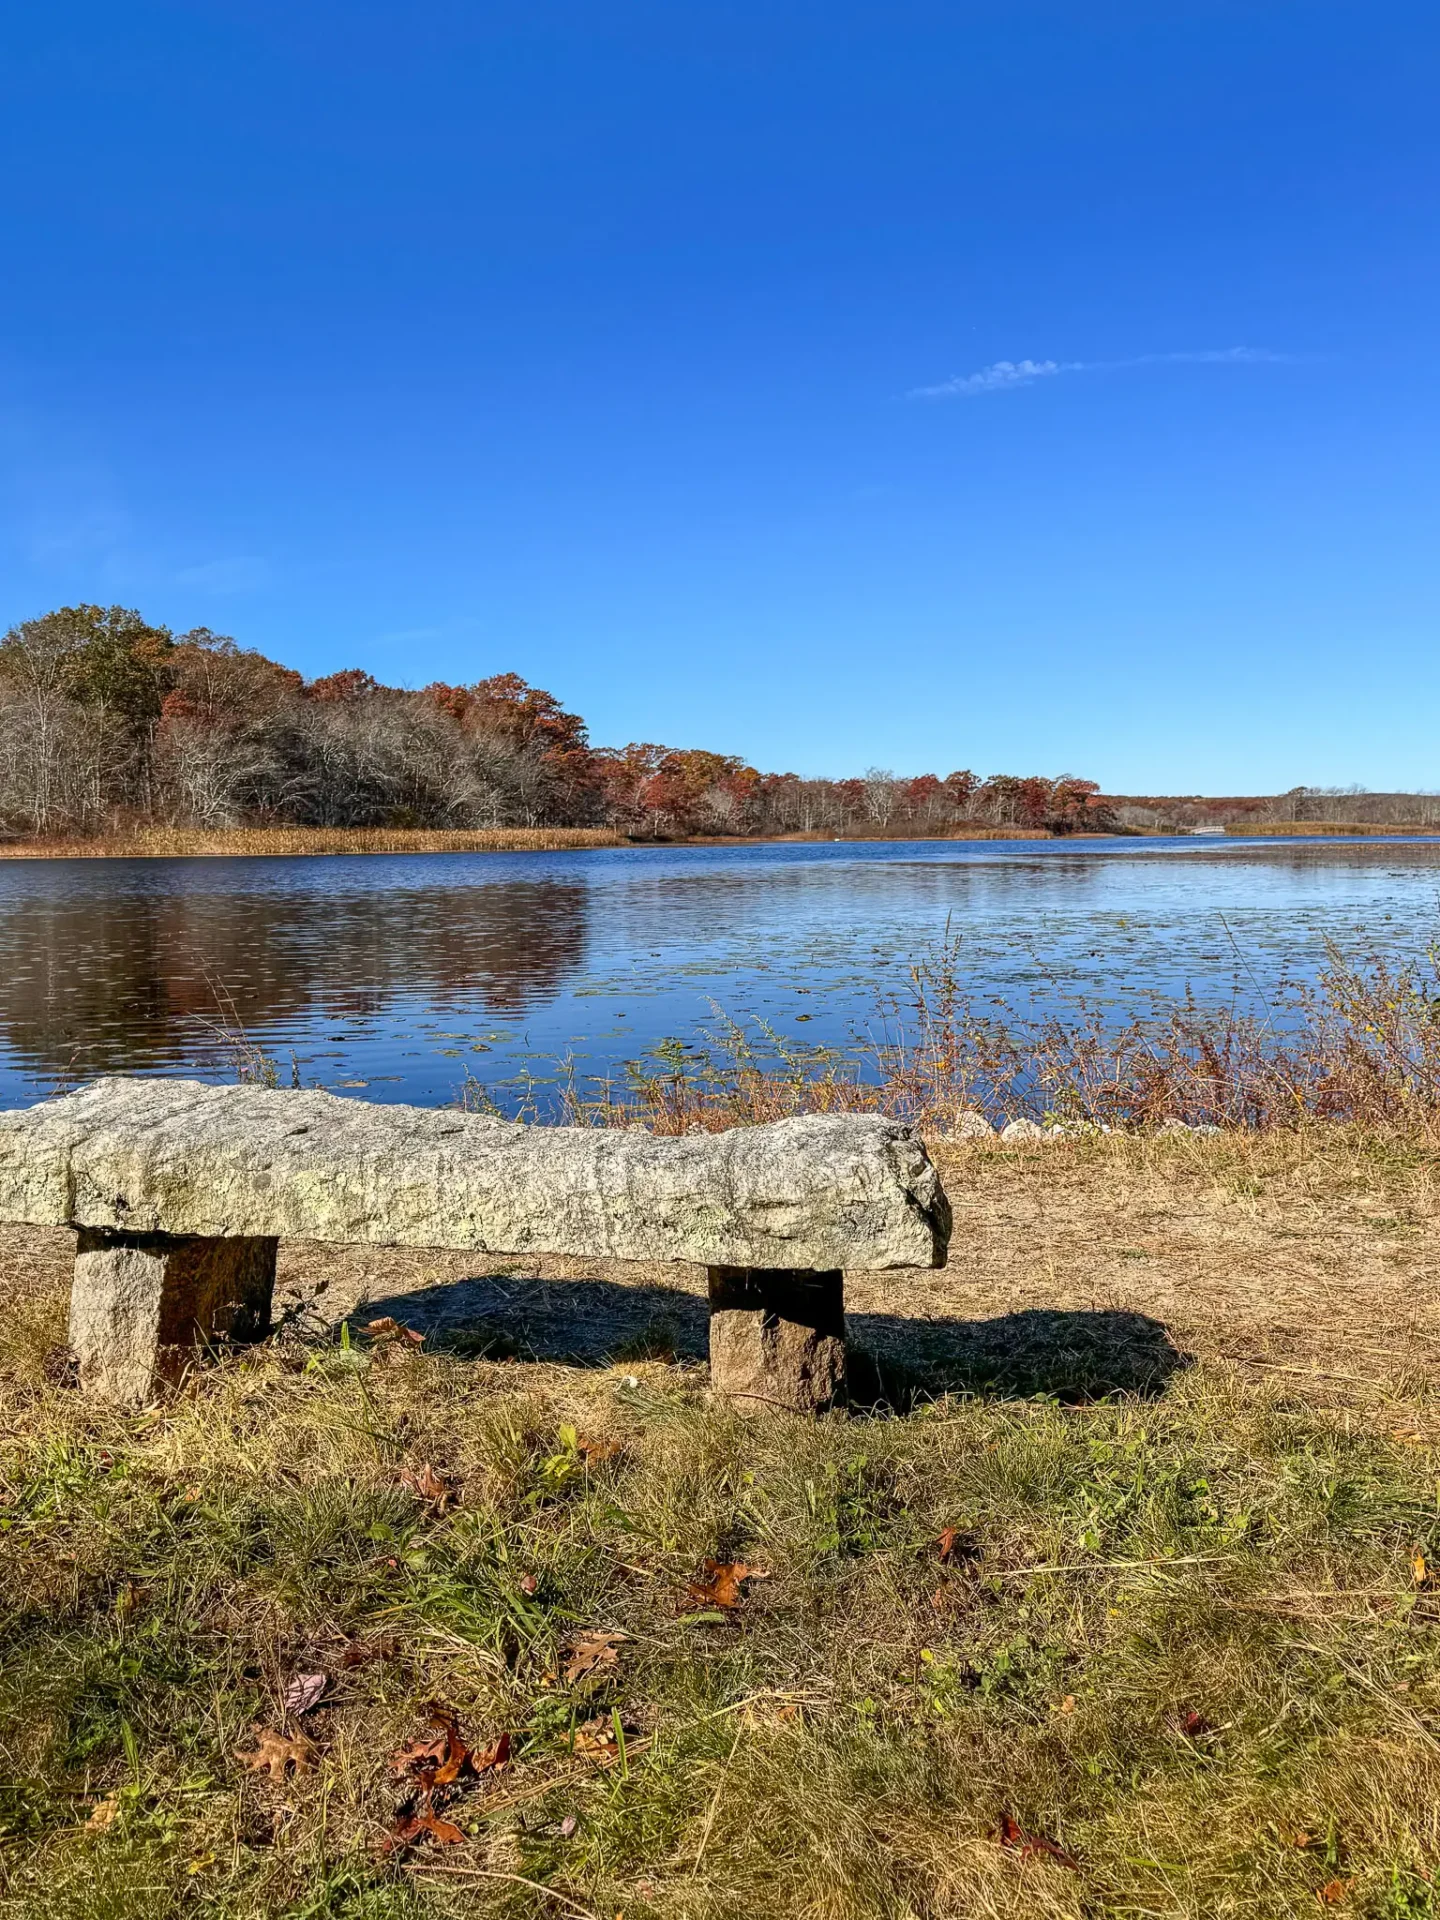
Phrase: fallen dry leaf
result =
(592, 1651)
(437, 1766)
(721, 1582)
(445, 1751)
(1067, 1705)
(1190, 1723)
(441, 1760)
(950, 1539)
(361, 1653)
(276, 1754)
(1014, 1838)
(1420, 1568)
(594, 1451)
(424, 1823)
(303, 1691)
(103, 1814)
(390, 1329)
(597, 1736)
(1333, 1892)
(426, 1484)
(494, 1758)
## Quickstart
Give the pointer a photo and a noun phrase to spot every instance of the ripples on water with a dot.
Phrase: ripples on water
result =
(395, 976)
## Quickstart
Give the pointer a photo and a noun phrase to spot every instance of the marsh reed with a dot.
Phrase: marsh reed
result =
(193, 843)
(1360, 1045)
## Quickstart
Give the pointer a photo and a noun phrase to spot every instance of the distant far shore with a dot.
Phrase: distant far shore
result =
(195, 843)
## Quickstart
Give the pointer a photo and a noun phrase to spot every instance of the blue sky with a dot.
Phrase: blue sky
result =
(1040, 387)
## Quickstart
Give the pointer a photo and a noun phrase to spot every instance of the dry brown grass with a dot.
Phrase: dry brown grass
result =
(187, 843)
(1269, 828)
(1190, 1442)
(193, 843)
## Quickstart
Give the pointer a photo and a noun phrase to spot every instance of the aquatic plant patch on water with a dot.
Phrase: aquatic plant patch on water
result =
(1362, 1045)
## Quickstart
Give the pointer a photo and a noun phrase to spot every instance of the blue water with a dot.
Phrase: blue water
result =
(397, 978)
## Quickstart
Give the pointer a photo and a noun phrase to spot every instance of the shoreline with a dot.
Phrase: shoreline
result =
(304, 842)
(339, 842)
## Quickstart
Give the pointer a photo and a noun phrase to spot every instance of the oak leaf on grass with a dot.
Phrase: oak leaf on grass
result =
(722, 1582)
(1014, 1838)
(426, 1484)
(954, 1547)
(442, 1759)
(423, 1824)
(1190, 1723)
(392, 1332)
(592, 1652)
(278, 1754)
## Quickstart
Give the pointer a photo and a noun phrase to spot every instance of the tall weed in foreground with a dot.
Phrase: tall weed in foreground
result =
(1361, 1045)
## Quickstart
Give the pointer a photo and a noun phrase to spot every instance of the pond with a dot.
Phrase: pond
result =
(404, 977)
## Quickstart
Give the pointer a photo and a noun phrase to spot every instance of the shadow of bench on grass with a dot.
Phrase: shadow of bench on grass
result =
(895, 1359)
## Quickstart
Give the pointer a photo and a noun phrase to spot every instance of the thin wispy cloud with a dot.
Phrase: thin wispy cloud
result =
(1002, 375)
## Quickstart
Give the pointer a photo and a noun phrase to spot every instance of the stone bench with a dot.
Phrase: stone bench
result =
(180, 1192)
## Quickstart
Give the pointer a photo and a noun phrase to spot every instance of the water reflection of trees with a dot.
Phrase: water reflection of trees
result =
(113, 979)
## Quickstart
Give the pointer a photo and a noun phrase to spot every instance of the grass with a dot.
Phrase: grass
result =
(1271, 828)
(192, 843)
(1185, 1632)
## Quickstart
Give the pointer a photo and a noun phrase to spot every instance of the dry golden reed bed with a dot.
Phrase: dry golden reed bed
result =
(1122, 1604)
(1277, 828)
(191, 843)
(185, 843)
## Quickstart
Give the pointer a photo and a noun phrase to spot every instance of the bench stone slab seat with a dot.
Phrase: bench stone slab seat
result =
(181, 1190)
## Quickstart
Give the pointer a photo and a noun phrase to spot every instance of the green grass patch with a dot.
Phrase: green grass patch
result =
(1166, 1655)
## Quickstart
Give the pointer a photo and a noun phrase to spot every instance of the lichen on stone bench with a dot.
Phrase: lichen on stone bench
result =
(180, 1192)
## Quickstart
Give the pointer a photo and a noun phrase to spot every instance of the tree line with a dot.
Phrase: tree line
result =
(107, 721)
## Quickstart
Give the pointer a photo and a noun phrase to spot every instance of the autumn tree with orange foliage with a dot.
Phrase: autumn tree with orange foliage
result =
(107, 722)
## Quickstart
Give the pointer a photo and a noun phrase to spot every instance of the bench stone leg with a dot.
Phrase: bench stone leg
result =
(144, 1302)
(777, 1338)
